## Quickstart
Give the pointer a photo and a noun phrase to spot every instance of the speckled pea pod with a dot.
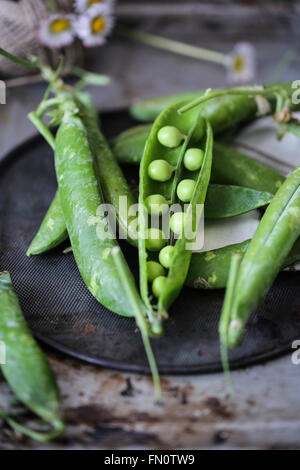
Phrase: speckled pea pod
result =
(53, 230)
(81, 201)
(26, 368)
(210, 269)
(272, 241)
(112, 180)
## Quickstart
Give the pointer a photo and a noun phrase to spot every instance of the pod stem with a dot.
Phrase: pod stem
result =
(245, 91)
(173, 46)
(135, 301)
(58, 427)
(42, 128)
(226, 315)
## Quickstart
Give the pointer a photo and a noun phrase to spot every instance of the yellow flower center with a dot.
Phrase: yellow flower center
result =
(59, 25)
(98, 25)
(238, 63)
(91, 2)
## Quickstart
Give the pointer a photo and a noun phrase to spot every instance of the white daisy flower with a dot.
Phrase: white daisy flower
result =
(82, 5)
(57, 31)
(241, 63)
(94, 25)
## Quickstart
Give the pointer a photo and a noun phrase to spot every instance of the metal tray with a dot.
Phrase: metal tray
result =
(62, 313)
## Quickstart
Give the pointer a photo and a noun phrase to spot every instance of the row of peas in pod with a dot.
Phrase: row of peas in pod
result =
(174, 171)
(156, 204)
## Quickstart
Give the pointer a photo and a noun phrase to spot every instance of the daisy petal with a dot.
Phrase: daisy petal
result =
(94, 25)
(241, 63)
(82, 5)
(57, 31)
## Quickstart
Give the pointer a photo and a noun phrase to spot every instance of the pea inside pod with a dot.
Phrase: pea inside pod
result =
(160, 170)
(170, 136)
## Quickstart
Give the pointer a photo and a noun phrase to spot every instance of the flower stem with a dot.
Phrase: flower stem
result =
(173, 46)
(16, 60)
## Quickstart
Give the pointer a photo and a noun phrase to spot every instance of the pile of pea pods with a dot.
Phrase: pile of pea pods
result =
(183, 163)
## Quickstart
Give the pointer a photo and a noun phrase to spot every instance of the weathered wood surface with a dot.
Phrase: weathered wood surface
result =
(222, 16)
(112, 410)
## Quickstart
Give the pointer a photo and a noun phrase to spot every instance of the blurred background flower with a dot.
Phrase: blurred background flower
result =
(93, 26)
(82, 5)
(57, 31)
(241, 63)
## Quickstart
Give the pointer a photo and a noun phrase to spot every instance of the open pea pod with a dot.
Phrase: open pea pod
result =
(229, 165)
(182, 254)
(170, 137)
(26, 368)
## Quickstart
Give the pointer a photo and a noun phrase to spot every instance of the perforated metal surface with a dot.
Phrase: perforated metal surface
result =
(61, 311)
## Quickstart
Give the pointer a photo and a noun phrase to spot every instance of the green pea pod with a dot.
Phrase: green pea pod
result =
(228, 201)
(148, 110)
(232, 167)
(272, 241)
(222, 112)
(52, 231)
(89, 232)
(112, 180)
(128, 147)
(210, 269)
(182, 256)
(26, 369)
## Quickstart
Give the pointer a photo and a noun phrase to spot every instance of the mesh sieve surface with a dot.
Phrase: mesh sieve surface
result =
(61, 311)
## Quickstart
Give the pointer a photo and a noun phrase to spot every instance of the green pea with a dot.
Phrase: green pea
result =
(185, 190)
(156, 204)
(155, 239)
(154, 270)
(160, 170)
(170, 136)
(193, 159)
(165, 256)
(177, 222)
(158, 285)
